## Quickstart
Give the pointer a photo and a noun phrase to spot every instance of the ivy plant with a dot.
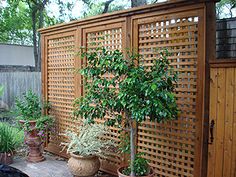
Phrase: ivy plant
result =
(116, 85)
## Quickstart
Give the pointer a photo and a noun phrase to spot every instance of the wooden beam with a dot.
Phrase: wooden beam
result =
(210, 49)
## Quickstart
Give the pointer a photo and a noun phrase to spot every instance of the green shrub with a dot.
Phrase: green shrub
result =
(29, 107)
(10, 138)
(141, 167)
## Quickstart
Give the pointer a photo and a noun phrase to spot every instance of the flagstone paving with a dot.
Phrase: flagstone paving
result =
(53, 166)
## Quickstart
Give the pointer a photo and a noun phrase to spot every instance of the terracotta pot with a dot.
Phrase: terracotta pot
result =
(34, 142)
(6, 158)
(119, 171)
(81, 166)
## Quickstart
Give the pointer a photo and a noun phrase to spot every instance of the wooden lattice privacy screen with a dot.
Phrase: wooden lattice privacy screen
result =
(174, 148)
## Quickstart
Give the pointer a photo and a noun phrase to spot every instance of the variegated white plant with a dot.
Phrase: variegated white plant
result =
(89, 141)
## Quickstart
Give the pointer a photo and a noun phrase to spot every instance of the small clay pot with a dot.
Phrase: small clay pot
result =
(6, 158)
(119, 171)
(34, 142)
(83, 166)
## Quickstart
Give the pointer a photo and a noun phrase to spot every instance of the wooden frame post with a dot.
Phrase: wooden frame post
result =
(210, 54)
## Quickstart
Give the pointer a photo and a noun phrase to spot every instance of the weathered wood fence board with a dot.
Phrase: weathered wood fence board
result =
(16, 83)
(222, 151)
(175, 148)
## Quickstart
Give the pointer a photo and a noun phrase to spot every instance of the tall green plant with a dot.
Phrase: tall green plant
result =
(10, 138)
(28, 108)
(144, 93)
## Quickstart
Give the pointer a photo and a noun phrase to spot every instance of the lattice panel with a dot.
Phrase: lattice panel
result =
(111, 39)
(170, 147)
(61, 86)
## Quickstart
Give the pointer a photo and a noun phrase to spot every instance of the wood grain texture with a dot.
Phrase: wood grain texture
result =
(112, 37)
(173, 148)
(221, 154)
(213, 116)
(17, 83)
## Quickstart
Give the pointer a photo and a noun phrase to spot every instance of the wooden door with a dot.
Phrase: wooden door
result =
(222, 132)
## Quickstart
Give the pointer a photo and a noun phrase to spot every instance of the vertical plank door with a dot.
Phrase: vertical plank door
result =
(222, 123)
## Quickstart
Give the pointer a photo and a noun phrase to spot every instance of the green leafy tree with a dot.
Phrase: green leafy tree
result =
(11, 30)
(100, 7)
(142, 94)
(20, 20)
(224, 8)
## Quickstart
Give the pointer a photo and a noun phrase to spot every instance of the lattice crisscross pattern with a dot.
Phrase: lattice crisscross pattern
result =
(111, 39)
(61, 86)
(170, 146)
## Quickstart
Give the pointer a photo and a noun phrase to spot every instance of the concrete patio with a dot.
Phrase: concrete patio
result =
(53, 166)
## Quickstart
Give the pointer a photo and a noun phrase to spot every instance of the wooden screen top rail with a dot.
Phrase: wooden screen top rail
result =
(223, 63)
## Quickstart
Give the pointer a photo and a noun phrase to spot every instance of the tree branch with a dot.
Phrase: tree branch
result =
(106, 6)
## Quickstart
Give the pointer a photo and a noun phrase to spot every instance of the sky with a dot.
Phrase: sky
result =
(77, 11)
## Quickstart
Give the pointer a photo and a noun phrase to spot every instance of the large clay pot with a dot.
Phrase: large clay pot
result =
(119, 171)
(6, 158)
(81, 166)
(34, 143)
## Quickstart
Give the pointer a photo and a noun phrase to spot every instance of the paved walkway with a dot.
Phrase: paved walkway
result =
(51, 167)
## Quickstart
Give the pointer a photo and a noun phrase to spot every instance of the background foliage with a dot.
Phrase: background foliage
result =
(20, 19)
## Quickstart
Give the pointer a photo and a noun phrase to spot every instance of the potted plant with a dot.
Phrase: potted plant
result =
(117, 86)
(10, 139)
(29, 109)
(85, 148)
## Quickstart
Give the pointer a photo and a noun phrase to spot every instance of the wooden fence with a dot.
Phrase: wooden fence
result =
(222, 144)
(16, 83)
(175, 148)
(222, 117)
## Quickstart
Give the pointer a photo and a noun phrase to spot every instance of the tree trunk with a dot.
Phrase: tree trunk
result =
(36, 59)
(132, 146)
(37, 8)
(106, 6)
(136, 3)
(231, 12)
(39, 37)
